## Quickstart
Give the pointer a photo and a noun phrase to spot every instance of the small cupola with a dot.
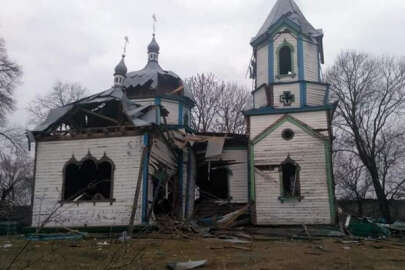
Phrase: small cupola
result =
(153, 50)
(120, 73)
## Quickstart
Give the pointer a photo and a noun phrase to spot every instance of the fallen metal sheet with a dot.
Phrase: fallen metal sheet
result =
(365, 228)
(54, 236)
(186, 265)
(235, 240)
(397, 226)
(215, 147)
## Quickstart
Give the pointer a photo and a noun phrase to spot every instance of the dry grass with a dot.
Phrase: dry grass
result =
(151, 254)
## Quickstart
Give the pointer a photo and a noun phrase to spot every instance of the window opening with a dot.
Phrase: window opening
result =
(287, 134)
(88, 180)
(285, 60)
(290, 179)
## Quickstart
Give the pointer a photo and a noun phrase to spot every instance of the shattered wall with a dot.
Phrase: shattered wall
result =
(238, 177)
(125, 152)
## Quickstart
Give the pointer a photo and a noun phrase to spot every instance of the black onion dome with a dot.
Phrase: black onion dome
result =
(153, 46)
(121, 68)
(151, 81)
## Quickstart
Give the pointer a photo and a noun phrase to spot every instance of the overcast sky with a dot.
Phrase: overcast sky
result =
(81, 41)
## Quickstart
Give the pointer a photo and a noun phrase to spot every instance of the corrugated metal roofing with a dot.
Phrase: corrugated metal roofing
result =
(135, 112)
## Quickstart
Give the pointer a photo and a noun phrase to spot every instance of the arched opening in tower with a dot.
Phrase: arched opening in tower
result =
(285, 61)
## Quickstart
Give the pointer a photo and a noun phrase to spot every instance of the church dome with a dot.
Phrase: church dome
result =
(121, 68)
(153, 80)
(153, 46)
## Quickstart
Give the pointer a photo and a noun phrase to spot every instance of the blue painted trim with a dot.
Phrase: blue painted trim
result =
(248, 172)
(319, 63)
(181, 174)
(270, 110)
(326, 98)
(189, 172)
(283, 21)
(145, 184)
(300, 46)
(303, 94)
(271, 62)
(158, 102)
(181, 107)
(290, 82)
(301, 71)
(254, 99)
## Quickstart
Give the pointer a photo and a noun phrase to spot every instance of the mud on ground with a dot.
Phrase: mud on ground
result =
(264, 254)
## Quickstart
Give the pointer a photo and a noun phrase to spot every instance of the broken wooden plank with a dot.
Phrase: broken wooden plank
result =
(137, 191)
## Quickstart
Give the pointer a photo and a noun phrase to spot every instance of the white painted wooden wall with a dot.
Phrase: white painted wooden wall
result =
(316, 120)
(309, 153)
(238, 180)
(262, 58)
(125, 152)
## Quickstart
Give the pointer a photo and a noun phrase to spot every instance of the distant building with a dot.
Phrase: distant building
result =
(133, 146)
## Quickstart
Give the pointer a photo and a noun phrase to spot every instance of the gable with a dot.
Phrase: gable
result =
(288, 118)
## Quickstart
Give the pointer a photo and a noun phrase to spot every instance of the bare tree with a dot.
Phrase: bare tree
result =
(16, 179)
(61, 94)
(206, 89)
(219, 105)
(10, 74)
(352, 180)
(371, 95)
(232, 102)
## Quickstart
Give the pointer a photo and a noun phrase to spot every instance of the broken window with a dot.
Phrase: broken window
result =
(213, 180)
(285, 60)
(88, 180)
(290, 179)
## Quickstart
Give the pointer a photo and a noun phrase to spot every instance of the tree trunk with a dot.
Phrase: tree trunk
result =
(382, 199)
(359, 207)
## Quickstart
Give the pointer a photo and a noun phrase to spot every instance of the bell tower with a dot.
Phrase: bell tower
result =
(290, 122)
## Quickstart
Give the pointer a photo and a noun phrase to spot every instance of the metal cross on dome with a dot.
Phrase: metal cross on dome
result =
(287, 98)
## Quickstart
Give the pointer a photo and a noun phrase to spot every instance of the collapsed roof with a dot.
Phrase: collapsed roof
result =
(103, 107)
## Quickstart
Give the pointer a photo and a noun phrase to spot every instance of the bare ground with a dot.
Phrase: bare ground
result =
(265, 254)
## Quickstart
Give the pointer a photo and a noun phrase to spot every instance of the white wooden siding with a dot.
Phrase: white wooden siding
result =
(260, 98)
(315, 94)
(309, 153)
(173, 108)
(262, 56)
(310, 61)
(316, 120)
(51, 158)
(148, 101)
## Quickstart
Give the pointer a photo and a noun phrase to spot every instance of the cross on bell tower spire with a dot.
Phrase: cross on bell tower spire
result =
(120, 71)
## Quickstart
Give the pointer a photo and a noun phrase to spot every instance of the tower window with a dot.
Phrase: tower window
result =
(285, 60)
(290, 179)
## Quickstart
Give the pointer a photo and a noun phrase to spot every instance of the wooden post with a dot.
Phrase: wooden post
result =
(137, 191)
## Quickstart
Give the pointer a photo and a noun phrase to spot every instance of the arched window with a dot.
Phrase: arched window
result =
(285, 60)
(290, 179)
(88, 180)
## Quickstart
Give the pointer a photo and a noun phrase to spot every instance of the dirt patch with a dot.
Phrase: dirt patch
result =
(155, 253)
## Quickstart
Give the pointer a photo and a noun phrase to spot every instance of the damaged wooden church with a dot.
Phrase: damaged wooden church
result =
(129, 154)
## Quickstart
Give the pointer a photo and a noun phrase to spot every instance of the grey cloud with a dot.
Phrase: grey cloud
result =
(75, 40)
